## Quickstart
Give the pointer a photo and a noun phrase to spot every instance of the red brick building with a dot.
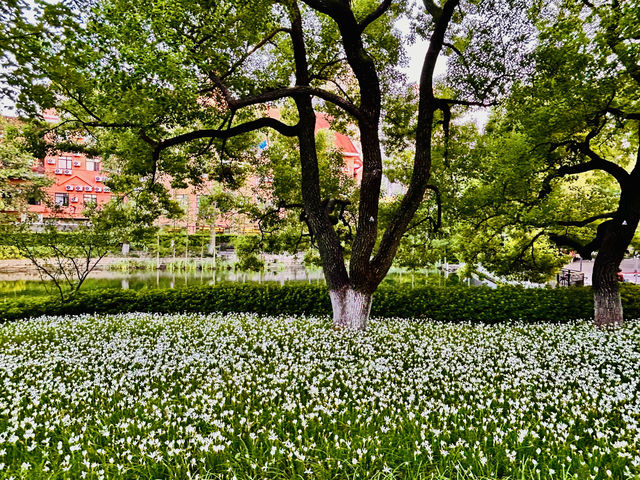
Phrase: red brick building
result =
(78, 181)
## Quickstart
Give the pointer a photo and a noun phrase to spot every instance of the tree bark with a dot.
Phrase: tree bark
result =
(606, 295)
(350, 308)
(616, 237)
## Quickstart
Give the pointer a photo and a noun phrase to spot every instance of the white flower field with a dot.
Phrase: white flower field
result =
(248, 397)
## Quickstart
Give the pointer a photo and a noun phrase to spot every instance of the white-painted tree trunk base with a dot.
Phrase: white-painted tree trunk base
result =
(350, 308)
(608, 308)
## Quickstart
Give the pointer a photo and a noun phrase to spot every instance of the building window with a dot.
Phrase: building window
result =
(62, 199)
(65, 162)
(93, 164)
(183, 200)
(90, 199)
(33, 201)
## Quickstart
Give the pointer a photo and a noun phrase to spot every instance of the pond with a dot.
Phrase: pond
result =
(13, 286)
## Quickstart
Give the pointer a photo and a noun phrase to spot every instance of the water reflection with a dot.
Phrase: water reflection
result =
(11, 288)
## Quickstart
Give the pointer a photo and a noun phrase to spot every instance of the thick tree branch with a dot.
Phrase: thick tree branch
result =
(316, 217)
(286, 92)
(622, 114)
(585, 251)
(291, 92)
(373, 16)
(253, 125)
(434, 10)
(363, 66)
(565, 241)
(597, 163)
(422, 158)
(586, 221)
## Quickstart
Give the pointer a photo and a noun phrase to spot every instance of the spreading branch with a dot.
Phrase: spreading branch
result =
(596, 162)
(585, 251)
(586, 221)
(434, 10)
(437, 223)
(622, 114)
(373, 16)
(251, 126)
(288, 92)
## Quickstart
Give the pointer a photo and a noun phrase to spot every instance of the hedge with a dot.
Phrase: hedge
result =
(449, 304)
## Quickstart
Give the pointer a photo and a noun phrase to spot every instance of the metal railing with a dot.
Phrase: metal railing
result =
(569, 278)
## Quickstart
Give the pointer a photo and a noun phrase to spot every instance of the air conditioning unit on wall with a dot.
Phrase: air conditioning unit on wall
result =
(98, 189)
(51, 161)
(58, 171)
(69, 187)
(98, 179)
(67, 172)
(74, 199)
(107, 189)
(76, 163)
(87, 189)
(78, 188)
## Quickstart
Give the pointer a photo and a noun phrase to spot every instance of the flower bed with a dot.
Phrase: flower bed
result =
(239, 395)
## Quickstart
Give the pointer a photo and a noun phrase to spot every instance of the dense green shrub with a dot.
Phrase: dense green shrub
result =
(9, 252)
(449, 304)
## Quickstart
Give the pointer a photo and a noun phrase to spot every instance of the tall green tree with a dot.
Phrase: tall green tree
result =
(583, 111)
(502, 221)
(558, 164)
(183, 81)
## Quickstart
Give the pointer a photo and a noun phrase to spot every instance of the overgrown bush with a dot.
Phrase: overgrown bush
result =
(9, 252)
(247, 249)
(449, 304)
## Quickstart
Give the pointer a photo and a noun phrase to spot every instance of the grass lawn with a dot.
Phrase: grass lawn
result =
(247, 397)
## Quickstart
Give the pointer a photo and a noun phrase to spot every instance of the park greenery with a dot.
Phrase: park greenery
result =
(190, 89)
(247, 382)
(452, 302)
(19, 184)
(174, 88)
(248, 397)
(65, 259)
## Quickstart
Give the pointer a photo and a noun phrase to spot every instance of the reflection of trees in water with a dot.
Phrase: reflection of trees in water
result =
(166, 280)
(162, 280)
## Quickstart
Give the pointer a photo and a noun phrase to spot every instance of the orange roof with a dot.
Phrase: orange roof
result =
(342, 142)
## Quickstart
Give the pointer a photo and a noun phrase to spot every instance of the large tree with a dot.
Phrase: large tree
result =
(560, 161)
(169, 81)
(583, 110)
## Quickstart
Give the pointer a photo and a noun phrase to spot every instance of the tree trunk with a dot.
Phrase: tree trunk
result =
(608, 306)
(350, 308)
(606, 294)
